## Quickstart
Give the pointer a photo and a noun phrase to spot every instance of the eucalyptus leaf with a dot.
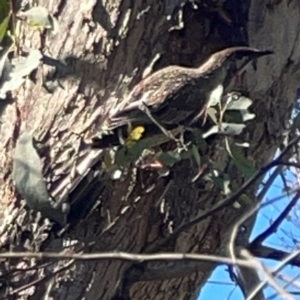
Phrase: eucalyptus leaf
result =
(225, 129)
(222, 182)
(130, 154)
(163, 172)
(196, 155)
(212, 112)
(242, 145)
(125, 156)
(12, 75)
(240, 160)
(244, 199)
(238, 116)
(198, 139)
(237, 108)
(40, 17)
(215, 96)
(4, 9)
(226, 186)
(24, 66)
(169, 158)
(232, 116)
(5, 65)
(3, 28)
(246, 115)
(238, 102)
(6, 81)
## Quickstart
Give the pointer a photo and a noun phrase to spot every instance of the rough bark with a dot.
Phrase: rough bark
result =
(107, 45)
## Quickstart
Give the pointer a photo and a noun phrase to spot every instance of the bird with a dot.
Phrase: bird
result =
(173, 96)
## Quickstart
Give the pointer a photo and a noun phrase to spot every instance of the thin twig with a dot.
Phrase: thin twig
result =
(267, 185)
(236, 229)
(124, 256)
(268, 275)
(44, 279)
(279, 267)
(274, 226)
(292, 281)
(229, 200)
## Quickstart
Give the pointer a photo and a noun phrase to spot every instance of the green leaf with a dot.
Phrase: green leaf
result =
(215, 96)
(244, 199)
(4, 18)
(238, 102)
(198, 139)
(12, 75)
(222, 181)
(237, 108)
(40, 17)
(24, 66)
(238, 116)
(169, 158)
(225, 129)
(196, 155)
(246, 115)
(3, 28)
(213, 114)
(240, 160)
(4, 9)
(163, 172)
(126, 155)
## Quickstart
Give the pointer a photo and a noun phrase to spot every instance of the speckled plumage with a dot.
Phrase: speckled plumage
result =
(174, 95)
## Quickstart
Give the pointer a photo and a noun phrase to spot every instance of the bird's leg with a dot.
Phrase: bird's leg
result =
(202, 111)
(154, 121)
(163, 130)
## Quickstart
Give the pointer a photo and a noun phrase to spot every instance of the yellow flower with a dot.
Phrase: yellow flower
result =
(135, 135)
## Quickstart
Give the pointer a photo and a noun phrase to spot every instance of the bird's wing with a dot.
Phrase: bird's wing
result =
(171, 94)
(157, 90)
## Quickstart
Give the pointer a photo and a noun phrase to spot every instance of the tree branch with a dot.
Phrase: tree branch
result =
(229, 200)
(274, 226)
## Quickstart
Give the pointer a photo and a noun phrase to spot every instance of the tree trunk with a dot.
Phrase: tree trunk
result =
(105, 47)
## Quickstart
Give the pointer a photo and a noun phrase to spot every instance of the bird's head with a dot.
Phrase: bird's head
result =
(229, 60)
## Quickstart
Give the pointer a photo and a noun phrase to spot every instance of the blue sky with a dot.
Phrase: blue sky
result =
(220, 281)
